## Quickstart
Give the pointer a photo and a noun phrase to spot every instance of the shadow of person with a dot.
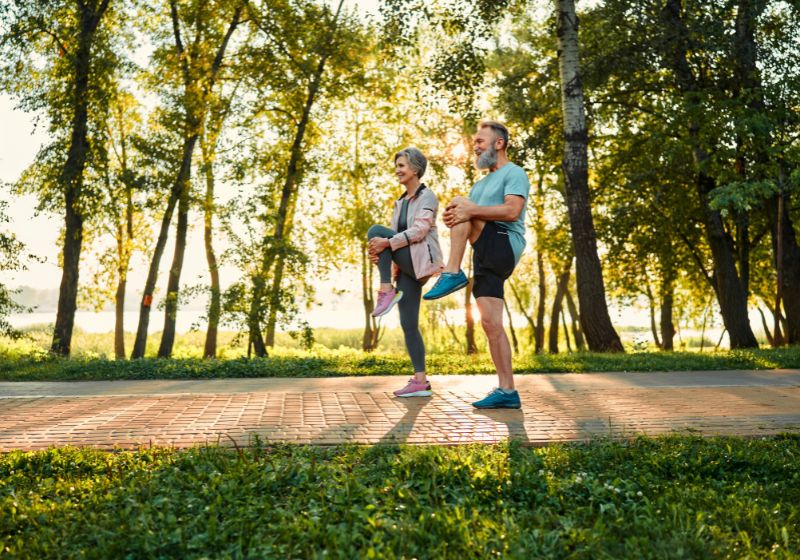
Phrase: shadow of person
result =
(402, 429)
(514, 420)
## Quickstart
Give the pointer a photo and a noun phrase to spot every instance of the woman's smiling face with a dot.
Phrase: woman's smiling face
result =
(403, 171)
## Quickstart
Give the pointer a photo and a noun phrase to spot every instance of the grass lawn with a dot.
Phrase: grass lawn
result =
(673, 497)
(38, 366)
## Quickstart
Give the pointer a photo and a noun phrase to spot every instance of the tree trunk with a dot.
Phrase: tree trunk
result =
(561, 288)
(122, 271)
(514, 341)
(275, 300)
(140, 342)
(730, 291)
(367, 299)
(71, 181)
(119, 320)
(667, 326)
(566, 330)
(273, 243)
(787, 253)
(540, 306)
(214, 305)
(651, 306)
(538, 335)
(767, 333)
(124, 247)
(174, 279)
(472, 347)
(595, 320)
(580, 343)
(523, 312)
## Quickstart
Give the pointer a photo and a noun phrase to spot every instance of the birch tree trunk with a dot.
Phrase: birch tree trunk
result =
(595, 320)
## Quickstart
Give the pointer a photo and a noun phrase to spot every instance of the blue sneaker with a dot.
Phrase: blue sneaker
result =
(498, 399)
(447, 283)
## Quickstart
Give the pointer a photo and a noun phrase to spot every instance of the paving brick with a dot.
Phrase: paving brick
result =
(330, 411)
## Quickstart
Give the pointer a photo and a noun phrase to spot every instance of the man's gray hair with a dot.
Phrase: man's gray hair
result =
(416, 159)
(499, 129)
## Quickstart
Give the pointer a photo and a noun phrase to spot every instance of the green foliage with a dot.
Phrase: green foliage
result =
(674, 497)
(10, 260)
(40, 58)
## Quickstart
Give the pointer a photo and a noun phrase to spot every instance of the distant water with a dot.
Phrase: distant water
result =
(103, 321)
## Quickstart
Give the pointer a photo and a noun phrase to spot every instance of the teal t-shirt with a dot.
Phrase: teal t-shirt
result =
(492, 191)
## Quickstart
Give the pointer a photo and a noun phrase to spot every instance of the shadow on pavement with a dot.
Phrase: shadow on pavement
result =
(400, 431)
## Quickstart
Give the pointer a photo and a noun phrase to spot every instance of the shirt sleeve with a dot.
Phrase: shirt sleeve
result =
(517, 183)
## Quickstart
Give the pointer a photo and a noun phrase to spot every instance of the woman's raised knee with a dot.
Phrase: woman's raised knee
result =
(377, 231)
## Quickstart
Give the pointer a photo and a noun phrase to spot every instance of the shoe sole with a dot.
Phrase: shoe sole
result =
(455, 289)
(396, 298)
(416, 394)
(516, 406)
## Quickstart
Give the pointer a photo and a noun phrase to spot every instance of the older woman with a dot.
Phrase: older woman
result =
(410, 249)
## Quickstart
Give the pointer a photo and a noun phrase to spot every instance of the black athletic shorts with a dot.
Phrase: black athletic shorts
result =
(492, 261)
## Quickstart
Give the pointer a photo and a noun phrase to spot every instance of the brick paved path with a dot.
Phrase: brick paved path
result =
(556, 407)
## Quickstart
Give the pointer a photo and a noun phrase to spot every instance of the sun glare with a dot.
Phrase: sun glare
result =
(459, 151)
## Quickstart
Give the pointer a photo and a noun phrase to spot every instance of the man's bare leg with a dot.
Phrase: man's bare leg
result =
(491, 310)
(459, 235)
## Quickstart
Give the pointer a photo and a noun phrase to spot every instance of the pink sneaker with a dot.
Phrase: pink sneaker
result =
(415, 389)
(386, 301)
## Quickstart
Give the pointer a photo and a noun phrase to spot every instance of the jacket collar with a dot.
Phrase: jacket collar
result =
(416, 194)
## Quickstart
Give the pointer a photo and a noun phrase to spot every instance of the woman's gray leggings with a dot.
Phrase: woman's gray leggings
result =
(412, 293)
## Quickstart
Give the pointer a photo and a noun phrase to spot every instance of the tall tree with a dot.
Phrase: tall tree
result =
(361, 136)
(120, 215)
(595, 320)
(57, 57)
(218, 113)
(195, 66)
(730, 290)
(758, 161)
(312, 49)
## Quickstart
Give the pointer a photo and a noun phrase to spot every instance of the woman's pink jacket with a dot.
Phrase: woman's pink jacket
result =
(421, 236)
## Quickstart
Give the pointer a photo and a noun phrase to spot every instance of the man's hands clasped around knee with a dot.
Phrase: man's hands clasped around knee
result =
(461, 209)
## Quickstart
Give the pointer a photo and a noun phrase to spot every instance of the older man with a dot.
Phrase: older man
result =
(492, 219)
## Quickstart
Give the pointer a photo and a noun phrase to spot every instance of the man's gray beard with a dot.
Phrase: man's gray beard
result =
(487, 159)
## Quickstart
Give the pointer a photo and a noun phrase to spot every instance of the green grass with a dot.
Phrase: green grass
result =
(675, 497)
(37, 365)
